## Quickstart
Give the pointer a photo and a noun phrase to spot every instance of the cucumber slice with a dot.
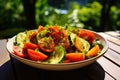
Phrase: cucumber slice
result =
(86, 44)
(72, 37)
(57, 56)
(20, 39)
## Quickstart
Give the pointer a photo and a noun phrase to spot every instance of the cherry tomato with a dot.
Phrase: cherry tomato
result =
(46, 44)
(29, 45)
(19, 52)
(34, 55)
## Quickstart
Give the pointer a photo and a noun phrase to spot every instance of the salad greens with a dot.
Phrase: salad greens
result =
(57, 44)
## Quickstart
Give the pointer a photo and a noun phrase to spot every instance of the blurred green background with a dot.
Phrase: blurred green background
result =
(21, 15)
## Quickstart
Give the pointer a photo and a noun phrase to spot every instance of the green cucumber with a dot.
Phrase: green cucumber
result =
(86, 44)
(72, 37)
(20, 39)
(57, 56)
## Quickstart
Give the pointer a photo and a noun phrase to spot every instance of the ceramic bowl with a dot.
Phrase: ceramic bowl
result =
(62, 66)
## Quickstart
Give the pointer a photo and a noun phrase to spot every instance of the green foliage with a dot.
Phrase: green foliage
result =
(115, 17)
(76, 16)
(88, 15)
(11, 12)
(12, 17)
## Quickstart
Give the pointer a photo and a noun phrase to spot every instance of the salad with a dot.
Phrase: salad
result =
(57, 44)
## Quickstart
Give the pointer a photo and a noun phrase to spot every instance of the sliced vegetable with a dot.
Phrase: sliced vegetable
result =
(87, 35)
(19, 52)
(50, 44)
(78, 44)
(57, 56)
(20, 39)
(73, 57)
(86, 44)
(36, 56)
(72, 37)
(29, 45)
(93, 52)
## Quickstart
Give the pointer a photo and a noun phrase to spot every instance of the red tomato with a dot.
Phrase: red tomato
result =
(73, 57)
(46, 45)
(19, 52)
(89, 36)
(33, 55)
(29, 45)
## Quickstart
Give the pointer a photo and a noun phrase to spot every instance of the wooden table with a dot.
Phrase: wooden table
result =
(105, 68)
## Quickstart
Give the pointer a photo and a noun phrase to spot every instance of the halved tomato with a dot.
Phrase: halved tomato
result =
(29, 45)
(36, 56)
(46, 44)
(87, 35)
(73, 57)
(19, 52)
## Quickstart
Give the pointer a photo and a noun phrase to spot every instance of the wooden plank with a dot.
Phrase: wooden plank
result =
(114, 47)
(4, 56)
(108, 77)
(109, 67)
(113, 33)
(110, 38)
(115, 57)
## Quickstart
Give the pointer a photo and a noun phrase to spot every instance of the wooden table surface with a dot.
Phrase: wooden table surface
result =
(106, 67)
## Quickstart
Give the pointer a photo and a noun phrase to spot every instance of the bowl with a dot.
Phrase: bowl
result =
(62, 66)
